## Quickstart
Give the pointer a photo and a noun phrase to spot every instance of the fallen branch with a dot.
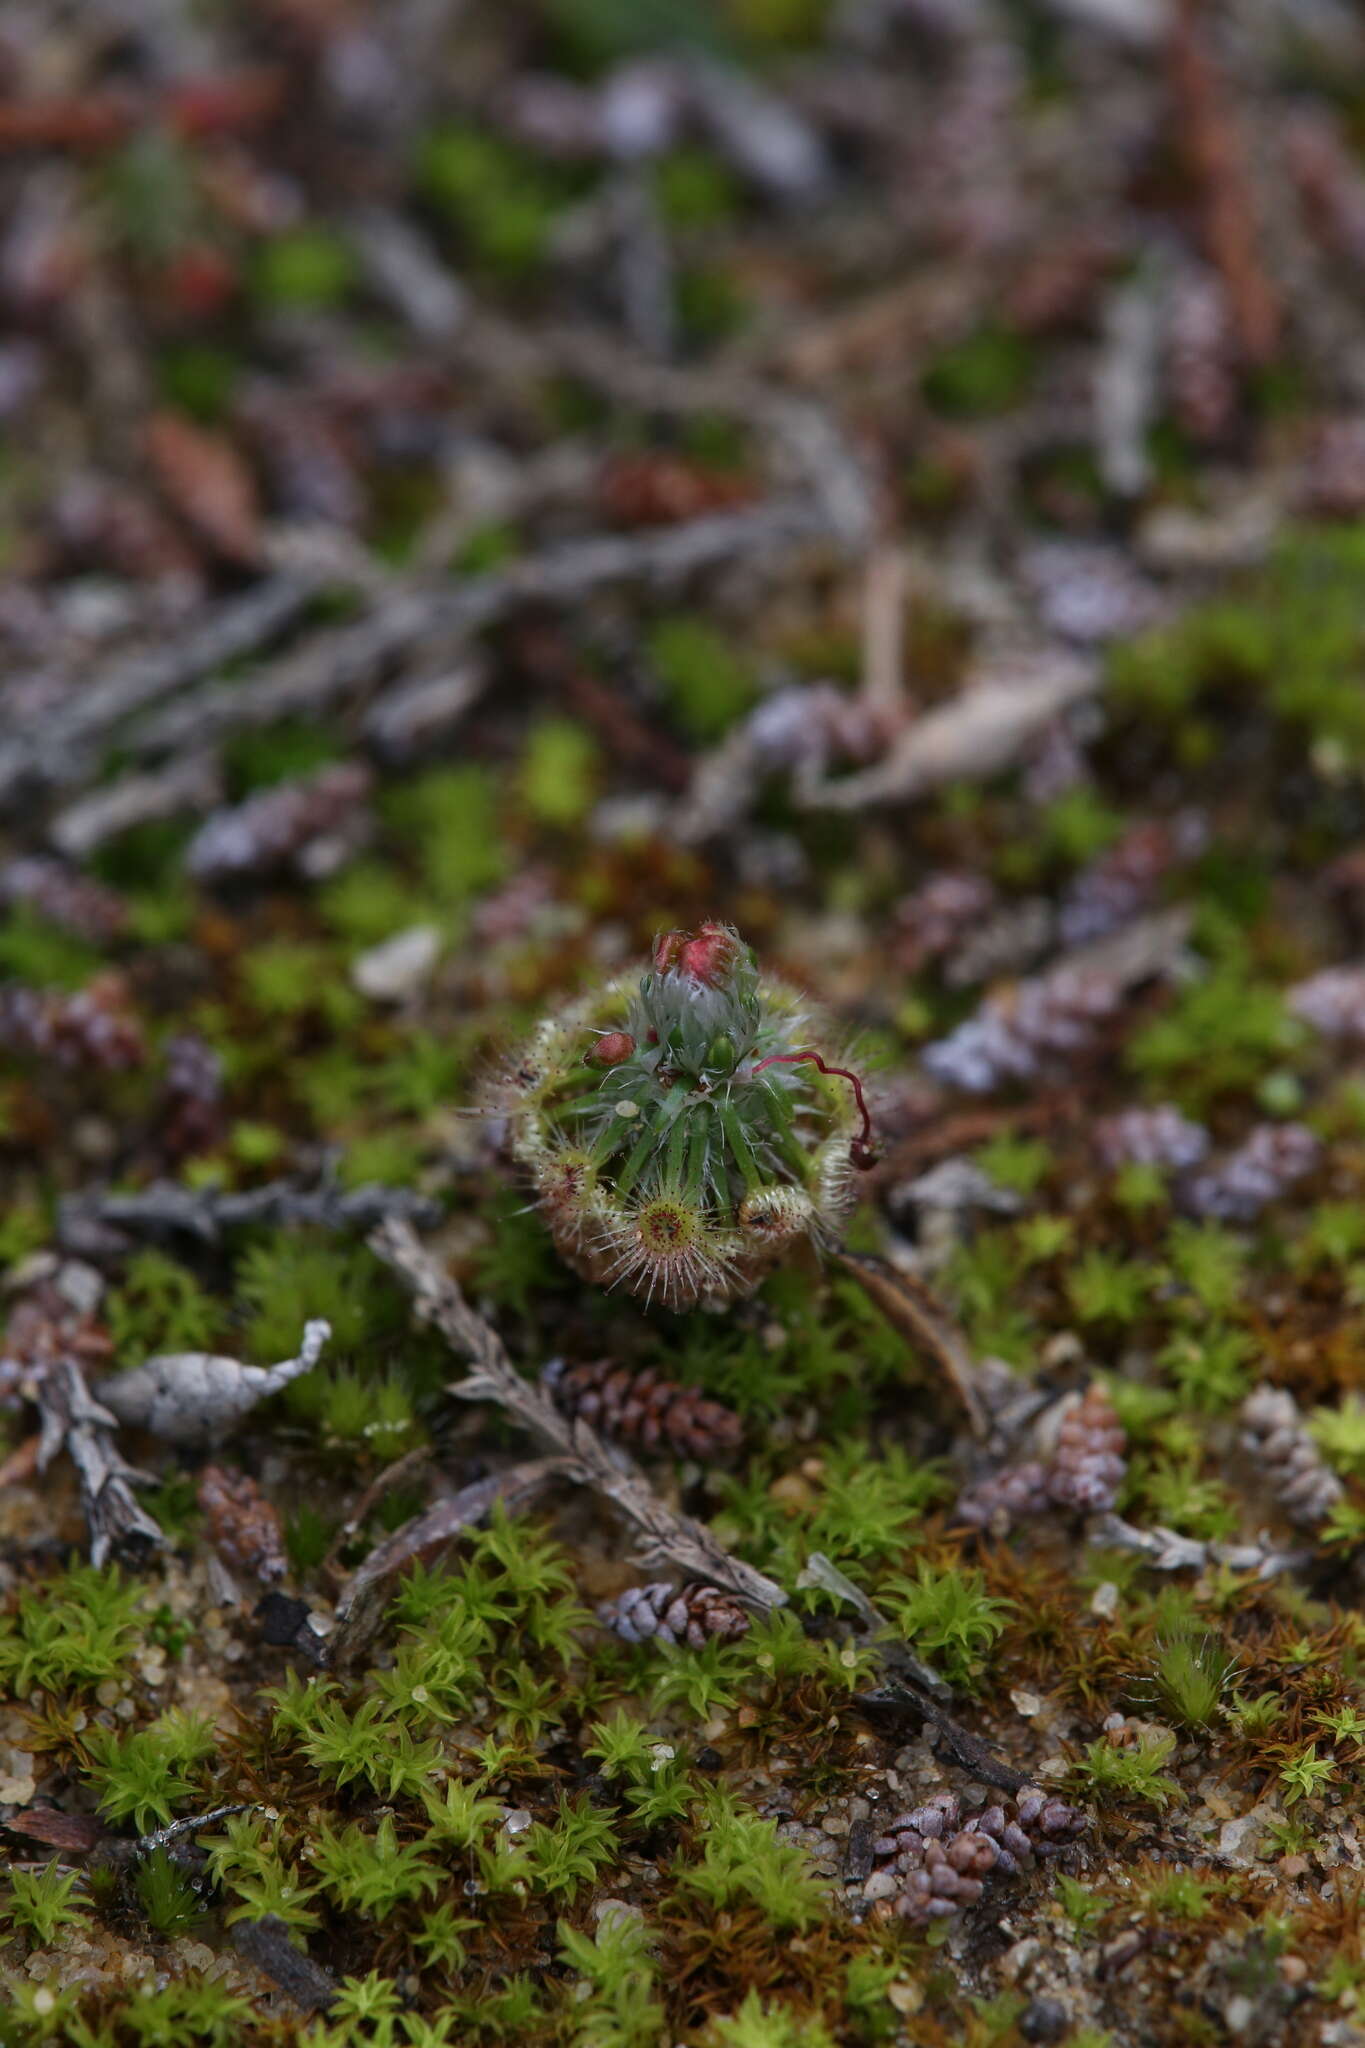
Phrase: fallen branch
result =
(361, 1605)
(1217, 162)
(1166, 1551)
(72, 1419)
(166, 1209)
(665, 1537)
(982, 730)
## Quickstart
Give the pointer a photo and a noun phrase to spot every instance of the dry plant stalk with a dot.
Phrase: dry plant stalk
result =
(666, 1538)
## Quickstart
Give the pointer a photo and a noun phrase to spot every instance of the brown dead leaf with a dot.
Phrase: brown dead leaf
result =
(206, 481)
(47, 1824)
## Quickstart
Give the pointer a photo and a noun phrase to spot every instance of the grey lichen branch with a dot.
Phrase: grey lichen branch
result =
(1166, 1551)
(73, 1419)
(664, 1537)
(192, 1397)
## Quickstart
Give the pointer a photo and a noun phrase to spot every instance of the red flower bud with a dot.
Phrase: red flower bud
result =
(708, 953)
(667, 947)
(611, 1048)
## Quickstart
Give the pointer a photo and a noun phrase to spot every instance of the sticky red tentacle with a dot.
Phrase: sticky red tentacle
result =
(862, 1151)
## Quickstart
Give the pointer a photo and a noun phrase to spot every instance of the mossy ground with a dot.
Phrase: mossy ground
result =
(502, 1824)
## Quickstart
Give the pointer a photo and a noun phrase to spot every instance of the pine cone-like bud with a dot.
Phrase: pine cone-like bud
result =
(695, 1615)
(1333, 1002)
(943, 1863)
(1203, 358)
(643, 1408)
(1023, 1031)
(1124, 880)
(933, 918)
(716, 1134)
(1274, 1436)
(1272, 1160)
(64, 897)
(243, 1526)
(1088, 1465)
(95, 1028)
(997, 1502)
(292, 824)
(194, 1117)
(1159, 1136)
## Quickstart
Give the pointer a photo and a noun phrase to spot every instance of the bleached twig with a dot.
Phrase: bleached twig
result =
(1166, 1551)
(72, 1419)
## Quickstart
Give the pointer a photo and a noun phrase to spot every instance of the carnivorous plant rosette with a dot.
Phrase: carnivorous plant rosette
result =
(684, 1129)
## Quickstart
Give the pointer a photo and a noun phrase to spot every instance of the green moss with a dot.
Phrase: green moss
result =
(498, 198)
(41, 1902)
(743, 1862)
(986, 374)
(450, 819)
(304, 269)
(949, 1617)
(560, 773)
(142, 1774)
(76, 1630)
(695, 190)
(160, 1306)
(1130, 1773)
(706, 685)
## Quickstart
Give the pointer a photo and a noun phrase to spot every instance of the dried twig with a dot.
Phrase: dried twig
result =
(168, 1210)
(362, 1601)
(1166, 1551)
(980, 731)
(666, 1537)
(1216, 159)
(72, 1419)
(61, 751)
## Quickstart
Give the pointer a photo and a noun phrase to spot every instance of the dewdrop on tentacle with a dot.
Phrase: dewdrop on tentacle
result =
(685, 1128)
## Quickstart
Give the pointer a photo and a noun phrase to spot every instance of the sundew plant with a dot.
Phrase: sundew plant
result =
(684, 1129)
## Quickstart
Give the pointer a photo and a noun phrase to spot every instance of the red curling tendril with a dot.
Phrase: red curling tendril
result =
(863, 1152)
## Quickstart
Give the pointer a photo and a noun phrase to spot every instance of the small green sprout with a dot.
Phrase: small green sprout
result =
(1106, 1289)
(949, 1615)
(1339, 1434)
(742, 1861)
(247, 1862)
(571, 1852)
(1254, 1718)
(1014, 1162)
(1132, 1772)
(141, 1774)
(1346, 1724)
(41, 1901)
(76, 1630)
(371, 1874)
(1083, 1908)
(757, 2025)
(166, 1895)
(440, 1938)
(1190, 1677)
(1306, 1774)
(1180, 1896)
